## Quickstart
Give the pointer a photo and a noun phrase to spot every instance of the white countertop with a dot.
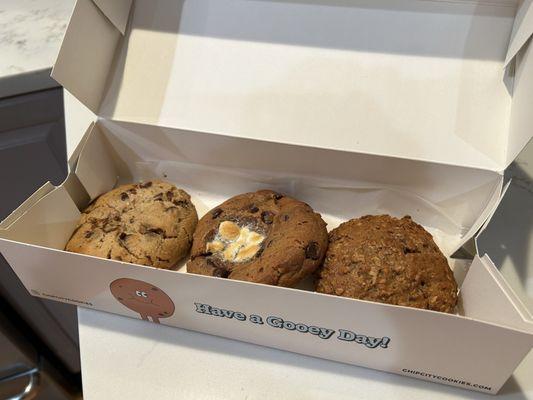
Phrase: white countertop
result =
(124, 358)
(30, 35)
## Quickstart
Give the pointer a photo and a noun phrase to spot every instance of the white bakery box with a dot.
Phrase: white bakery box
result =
(354, 106)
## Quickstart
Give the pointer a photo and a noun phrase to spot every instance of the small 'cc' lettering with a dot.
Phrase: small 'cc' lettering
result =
(141, 294)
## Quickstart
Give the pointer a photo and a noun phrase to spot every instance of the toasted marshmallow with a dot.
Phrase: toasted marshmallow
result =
(235, 243)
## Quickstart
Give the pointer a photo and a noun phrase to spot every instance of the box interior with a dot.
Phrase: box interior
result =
(392, 84)
(213, 168)
(449, 200)
(340, 186)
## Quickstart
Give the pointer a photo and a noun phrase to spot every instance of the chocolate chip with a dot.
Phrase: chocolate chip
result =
(253, 208)
(158, 197)
(133, 191)
(124, 196)
(170, 195)
(278, 196)
(285, 217)
(157, 231)
(145, 185)
(123, 236)
(312, 251)
(216, 212)
(219, 269)
(88, 234)
(267, 217)
(221, 273)
(76, 230)
(181, 203)
(407, 250)
(109, 228)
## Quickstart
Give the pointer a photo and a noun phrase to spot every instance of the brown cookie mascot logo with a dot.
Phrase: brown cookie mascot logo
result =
(142, 297)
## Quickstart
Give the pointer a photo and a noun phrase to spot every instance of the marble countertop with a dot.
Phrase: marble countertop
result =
(30, 35)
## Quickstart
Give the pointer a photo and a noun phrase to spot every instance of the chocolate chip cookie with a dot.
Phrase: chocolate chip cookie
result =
(388, 260)
(150, 223)
(262, 237)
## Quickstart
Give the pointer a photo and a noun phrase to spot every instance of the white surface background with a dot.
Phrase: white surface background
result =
(123, 358)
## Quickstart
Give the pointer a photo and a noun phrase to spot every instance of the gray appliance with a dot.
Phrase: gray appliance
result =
(38, 338)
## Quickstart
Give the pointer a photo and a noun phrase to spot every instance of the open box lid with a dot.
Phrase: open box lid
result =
(413, 79)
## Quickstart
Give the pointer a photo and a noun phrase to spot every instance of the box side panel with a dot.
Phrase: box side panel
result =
(487, 297)
(78, 121)
(86, 54)
(48, 222)
(416, 79)
(521, 129)
(491, 212)
(484, 217)
(507, 238)
(76, 191)
(30, 201)
(439, 347)
(95, 168)
(342, 186)
(522, 29)
(212, 168)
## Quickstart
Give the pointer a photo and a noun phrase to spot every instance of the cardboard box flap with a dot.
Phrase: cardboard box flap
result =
(505, 238)
(86, 54)
(117, 11)
(520, 129)
(485, 216)
(27, 204)
(502, 306)
(492, 210)
(74, 156)
(522, 30)
(373, 77)
(49, 221)
(95, 168)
